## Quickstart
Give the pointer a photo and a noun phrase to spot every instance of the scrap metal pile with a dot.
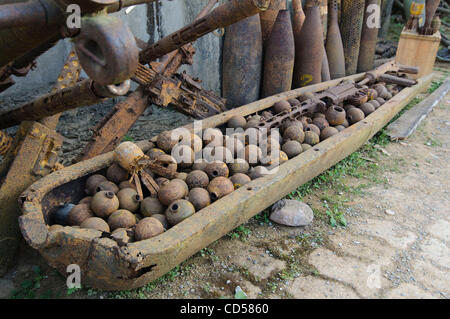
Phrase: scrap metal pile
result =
(111, 56)
(187, 171)
(264, 54)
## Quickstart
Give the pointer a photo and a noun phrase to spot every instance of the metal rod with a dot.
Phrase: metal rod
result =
(83, 93)
(222, 16)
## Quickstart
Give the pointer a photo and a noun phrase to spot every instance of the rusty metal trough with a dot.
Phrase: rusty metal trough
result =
(108, 266)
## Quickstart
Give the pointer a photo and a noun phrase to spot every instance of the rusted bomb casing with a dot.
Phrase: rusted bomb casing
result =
(324, 17)
(299, 18)
(369, 36)
(279, 57)
(351, 28)
(222, 16)
(83, 93)
(309, 48)
(334, 47)
(430, 10)
(242, 62)
(269, 17)
(325, 74)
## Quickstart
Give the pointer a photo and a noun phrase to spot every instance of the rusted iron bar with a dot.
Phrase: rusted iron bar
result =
(84, 93)
(5, 142)
(222, 16)
(391, 67)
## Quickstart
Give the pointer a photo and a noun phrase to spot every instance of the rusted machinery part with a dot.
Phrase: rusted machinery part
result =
(44, 24)
(171, 62)
(351, 27)
(134, 265)
(369, 37)
(391, 67)
(110, 131)
(16, 42)
(82, 93)
(309, 50)
(33, 154)
(106, 49)
(279, 57)
(36, 13)
(388, 78)
(68, 77)
(5, 142)
(269, 16)
(334, 47)
(242, 62)
(222, 16)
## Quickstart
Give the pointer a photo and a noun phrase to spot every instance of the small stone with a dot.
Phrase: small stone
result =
(291, 213)
(389, 212)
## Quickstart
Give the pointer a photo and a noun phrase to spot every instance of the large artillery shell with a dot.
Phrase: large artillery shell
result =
(299, 17)
(279, 57)
(325, 74)
(242, 62)
(309, 48)
(369, 36)
(324, 17)
(334, 48)
(351, 28)
(269, 16)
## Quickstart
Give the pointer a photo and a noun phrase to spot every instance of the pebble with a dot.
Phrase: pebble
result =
(291, 213)
(389, 212)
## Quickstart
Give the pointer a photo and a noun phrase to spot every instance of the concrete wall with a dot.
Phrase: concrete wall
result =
(149, 22)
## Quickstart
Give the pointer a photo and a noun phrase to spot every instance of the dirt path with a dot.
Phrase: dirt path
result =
(393, 199)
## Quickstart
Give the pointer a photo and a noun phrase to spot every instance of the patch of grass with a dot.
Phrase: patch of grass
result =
(310, 239)
(73, 290)
(242, 233)
(127, 138)
(263, 217)
(29, 287)
(435, 85)
(395, 29)
(272, 286)
(433, 142)
(208, 253)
